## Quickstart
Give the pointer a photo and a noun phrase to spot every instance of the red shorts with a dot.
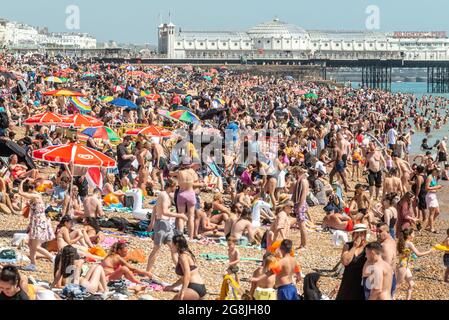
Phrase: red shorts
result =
(350, 226)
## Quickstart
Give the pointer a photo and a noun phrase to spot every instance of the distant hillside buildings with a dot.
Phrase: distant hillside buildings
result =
(19, 35)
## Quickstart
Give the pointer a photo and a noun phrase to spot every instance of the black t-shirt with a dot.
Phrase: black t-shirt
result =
(122, 163)
(21, 295)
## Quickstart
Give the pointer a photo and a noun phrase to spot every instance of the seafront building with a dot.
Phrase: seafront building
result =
(18, 35)
(278, 39)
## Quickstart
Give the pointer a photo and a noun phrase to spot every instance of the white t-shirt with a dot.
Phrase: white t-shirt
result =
(392, 134)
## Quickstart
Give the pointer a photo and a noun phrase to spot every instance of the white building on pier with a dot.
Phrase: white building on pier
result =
(277, 39)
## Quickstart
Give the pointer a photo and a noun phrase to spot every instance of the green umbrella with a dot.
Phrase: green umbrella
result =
(311, 95)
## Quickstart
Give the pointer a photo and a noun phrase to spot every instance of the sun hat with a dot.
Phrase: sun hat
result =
(360, 227)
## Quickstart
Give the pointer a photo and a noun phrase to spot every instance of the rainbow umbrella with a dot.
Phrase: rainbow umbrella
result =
(82, 104)
(184, 115)
(54, 80)
(101, 133)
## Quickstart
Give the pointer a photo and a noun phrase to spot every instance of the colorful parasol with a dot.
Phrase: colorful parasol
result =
(54, 80)
(106, 98)
(80, 103)
(47, 118)
(81, 121)
(153, 131)
(184, 115)
(101, 133)
(64, 93)
(124, 103)
(77, 154)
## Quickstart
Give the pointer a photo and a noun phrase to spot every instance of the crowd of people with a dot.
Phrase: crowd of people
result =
(294, 145)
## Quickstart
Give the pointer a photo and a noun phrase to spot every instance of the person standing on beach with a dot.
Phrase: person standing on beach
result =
(389, 254)
(431, 198)
(284, 269)
(353, 259)
(124, 159)
(374, 160)
(160, 223)
(442, 153)
(299, 198)
(377, 274)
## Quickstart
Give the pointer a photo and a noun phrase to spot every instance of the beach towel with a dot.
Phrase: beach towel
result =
(212, 256)
(108, 242)
(230, 289)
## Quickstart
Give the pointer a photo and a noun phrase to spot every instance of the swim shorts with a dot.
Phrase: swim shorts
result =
(287, 292)
(301, 211)
(265, 294)
(163, 232)
(186, 198)
(340, 166)
(350, 226)
(375, 179)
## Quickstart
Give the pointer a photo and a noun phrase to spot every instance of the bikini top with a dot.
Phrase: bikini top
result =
(434, 182)
(180, 272)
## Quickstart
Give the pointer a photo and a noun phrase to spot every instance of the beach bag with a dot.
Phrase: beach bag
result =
(26, 211)
(74, 292)
(8, 254)
(51, 246)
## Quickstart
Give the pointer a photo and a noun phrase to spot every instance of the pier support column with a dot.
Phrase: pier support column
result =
(376, 77)
(438, 79)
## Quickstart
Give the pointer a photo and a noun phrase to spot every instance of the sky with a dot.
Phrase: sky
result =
(136, 21)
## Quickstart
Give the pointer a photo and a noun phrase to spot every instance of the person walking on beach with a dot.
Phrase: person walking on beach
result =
(408, 254)
(299, 198)
(39, 229)
(161, 225)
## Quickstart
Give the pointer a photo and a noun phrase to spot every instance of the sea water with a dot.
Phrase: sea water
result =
(419, 89)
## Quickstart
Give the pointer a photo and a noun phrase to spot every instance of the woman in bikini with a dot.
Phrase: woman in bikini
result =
(66, 235)
(19, 171)
(69, 269)
(116, 267)
(193, 287)
(408, 253)
(220, 212)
